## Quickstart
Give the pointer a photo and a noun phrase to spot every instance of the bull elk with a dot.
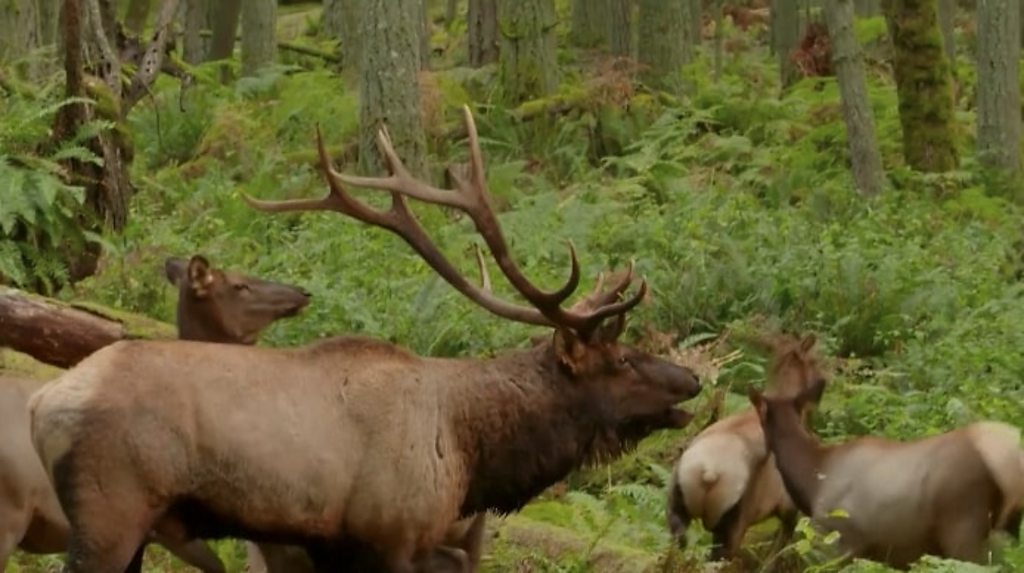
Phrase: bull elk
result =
(350, 438)
(213, 304)
(941, 495)
(726, 478)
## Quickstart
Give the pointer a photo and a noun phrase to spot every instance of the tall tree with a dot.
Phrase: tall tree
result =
(620, 23)
(196, 20)
(425, 30)
(719, 40)
(867, 8)
(259, 44)
(589, 23)
(528, 58)
(662, 61)
(341, 22)
(924, 85)
(483, 32)
(49, 17)
(786, 36)
(865, 158)
(19, 29)
(947, 21)
(695, 17)
(998, 90)
(389, 90)
(225, 26)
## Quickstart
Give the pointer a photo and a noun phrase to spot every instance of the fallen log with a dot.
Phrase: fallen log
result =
(61, 333)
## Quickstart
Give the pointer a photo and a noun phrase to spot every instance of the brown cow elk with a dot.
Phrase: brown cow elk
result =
(350, 438)
(941, 495)
(726, 477)
(211, 306)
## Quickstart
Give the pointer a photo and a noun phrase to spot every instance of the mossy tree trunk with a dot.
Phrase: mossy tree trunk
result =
(196, 20)
(696, 21)
(19, 29)
(867, 8)
(225, 26)
(719, 40)
(483, 32)
(389, 90)
(999, 114)
(786, 37)
(662, 61)
(589, 23)
(529, 67)
(136, 16)
(425, 31)
(341, 22)
(924, 85)
(619, 26)
(259, 44)
(865, 159)
(947, 20)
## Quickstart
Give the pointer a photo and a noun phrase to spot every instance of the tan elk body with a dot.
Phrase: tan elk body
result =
(212, 304)
(942, 495)
(726, 478)
(349, 438)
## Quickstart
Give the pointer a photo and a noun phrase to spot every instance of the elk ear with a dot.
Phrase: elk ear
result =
(200, 276)
(174, 269)
(808, 343)
(570, 350)
(612, 329)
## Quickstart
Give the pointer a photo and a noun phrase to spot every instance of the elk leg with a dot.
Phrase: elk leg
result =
(196, 553)
(444, 559)
(964, 538)
(678, 517)
(727, 534)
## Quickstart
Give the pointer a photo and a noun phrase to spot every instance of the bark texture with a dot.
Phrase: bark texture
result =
(19, 29)
(719, 40)
(225, 26)
(695, 18)
(61, 334)
(259, 46)
(529, 68)
(786, 36)
(589, 23)
(341, 22)
(662, 60)
(196, 20)
(998, 92)
(924, 85)
(865, 159)
(483, 32)
(947, 20)
(620, 22)
(867, 8)
(49, 18)
(389, 90)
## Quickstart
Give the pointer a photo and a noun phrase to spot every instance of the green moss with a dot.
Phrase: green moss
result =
(137, 326)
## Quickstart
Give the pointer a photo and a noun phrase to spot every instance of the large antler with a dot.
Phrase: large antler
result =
(470, 197)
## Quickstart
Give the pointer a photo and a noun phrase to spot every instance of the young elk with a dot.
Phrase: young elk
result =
(370, 442)
(940, 495)
(726, 477)
(212, 305)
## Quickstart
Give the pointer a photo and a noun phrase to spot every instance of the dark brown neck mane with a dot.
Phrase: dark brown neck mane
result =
(799, 457)
(527, 426)
(202, 324)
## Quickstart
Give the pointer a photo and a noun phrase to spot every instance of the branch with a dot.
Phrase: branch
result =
(153, 59)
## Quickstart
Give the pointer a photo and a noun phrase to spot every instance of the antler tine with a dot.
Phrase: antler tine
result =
(586, 323)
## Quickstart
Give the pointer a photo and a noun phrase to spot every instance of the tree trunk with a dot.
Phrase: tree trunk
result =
(947, 21)
(259, 45)
(923, 85)
(719, 50)
(529, 68)
(662, 61)
(389, 90)
(49, 17)
(196, 20)
(696, 21)
(225, 27)
(62, 334)
(865, 158)
(786, 33)
(451, 11)
(589, 23)
(425, 31)
(999, 114)
(483, 32)
(19, 29)
(341, 22)
(136, 15)
(619, 28)
(867, 8)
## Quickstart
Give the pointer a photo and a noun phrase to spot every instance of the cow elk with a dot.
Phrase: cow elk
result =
(350, 438)
(213, 304)
(726, 477)
(899, 500)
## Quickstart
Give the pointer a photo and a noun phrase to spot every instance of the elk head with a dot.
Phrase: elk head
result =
(782, 415)
(794, 366)
(640, 390)
(225, 306)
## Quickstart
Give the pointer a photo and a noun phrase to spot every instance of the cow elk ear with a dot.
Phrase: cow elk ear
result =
(175, 269)
(808, 343)
(757, 400)
(200, 276)
(570, 350)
